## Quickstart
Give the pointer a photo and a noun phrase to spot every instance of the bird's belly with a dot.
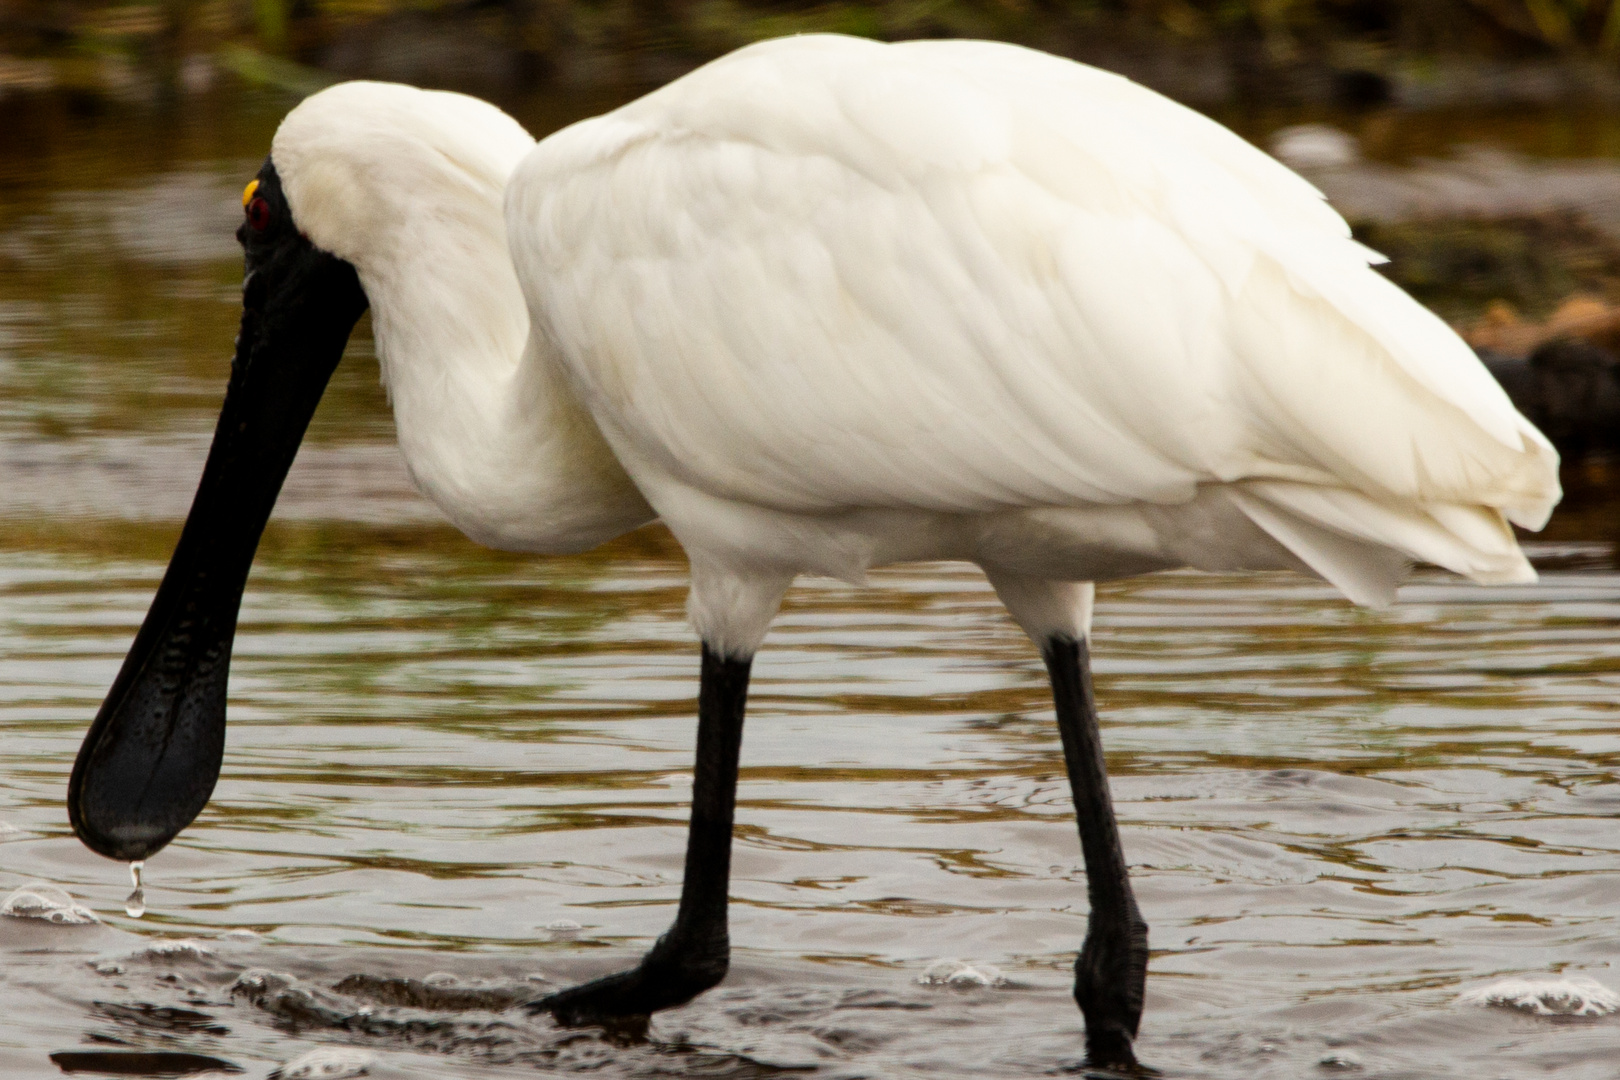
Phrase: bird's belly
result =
(1087, 542)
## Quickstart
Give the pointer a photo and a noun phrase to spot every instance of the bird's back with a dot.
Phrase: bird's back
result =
(824, 275)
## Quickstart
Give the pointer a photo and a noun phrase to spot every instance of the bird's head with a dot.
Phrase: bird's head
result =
(352, 177)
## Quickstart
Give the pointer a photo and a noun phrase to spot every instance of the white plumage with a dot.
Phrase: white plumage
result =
(829, 303)
(822, 305)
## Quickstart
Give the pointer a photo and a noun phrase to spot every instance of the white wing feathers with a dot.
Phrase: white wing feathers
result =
(825, 273)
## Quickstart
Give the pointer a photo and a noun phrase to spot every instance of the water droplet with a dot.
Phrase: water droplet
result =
(135, 904)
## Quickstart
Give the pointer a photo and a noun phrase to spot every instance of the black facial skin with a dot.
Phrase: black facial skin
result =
(149, 761)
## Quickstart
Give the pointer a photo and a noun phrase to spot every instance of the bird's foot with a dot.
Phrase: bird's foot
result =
(1109, 978)
(1109, 1053)
(667, 976)
(1093, 1071)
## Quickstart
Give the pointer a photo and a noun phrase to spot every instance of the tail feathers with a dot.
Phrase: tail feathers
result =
(1345, 373)
(1363, 546)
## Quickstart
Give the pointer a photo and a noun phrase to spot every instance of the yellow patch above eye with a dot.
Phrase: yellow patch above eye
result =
(247, 192)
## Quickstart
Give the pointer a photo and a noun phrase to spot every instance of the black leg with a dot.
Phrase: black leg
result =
(1112, 968)
(693, 954)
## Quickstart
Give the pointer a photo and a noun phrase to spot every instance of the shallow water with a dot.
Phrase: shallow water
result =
(1338, 821)
(456, 778)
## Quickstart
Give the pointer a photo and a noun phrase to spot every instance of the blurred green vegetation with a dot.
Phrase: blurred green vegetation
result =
(71, 42)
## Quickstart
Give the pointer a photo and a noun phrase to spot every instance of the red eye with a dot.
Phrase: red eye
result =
(258, 214)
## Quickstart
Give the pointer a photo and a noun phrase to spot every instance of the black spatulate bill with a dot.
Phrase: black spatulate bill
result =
(150, 760)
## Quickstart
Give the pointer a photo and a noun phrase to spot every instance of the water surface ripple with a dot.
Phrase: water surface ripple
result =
(447, 763)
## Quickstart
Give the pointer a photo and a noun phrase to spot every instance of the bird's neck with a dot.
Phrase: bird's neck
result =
(489, 427)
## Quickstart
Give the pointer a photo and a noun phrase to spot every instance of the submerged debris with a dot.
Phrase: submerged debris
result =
(1339, 1059)
(164, 1018)
(142, 1063)
(433, 993)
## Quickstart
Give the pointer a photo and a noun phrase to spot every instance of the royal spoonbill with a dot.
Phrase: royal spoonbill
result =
(821, 305)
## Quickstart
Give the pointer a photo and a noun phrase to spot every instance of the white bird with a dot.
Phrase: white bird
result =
(822, 305)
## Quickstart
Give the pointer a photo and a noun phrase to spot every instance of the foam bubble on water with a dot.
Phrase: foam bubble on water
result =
(328, 1063)
(261, 980)
(1340, 1059)
(957, 975)
(439, 978)
(1569, 995)
(562, 929)
(155, 952)
(241, 936)
(169, 950)
(42, 900)
(187, 948)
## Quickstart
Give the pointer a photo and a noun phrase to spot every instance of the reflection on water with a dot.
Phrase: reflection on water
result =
(457, 778)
